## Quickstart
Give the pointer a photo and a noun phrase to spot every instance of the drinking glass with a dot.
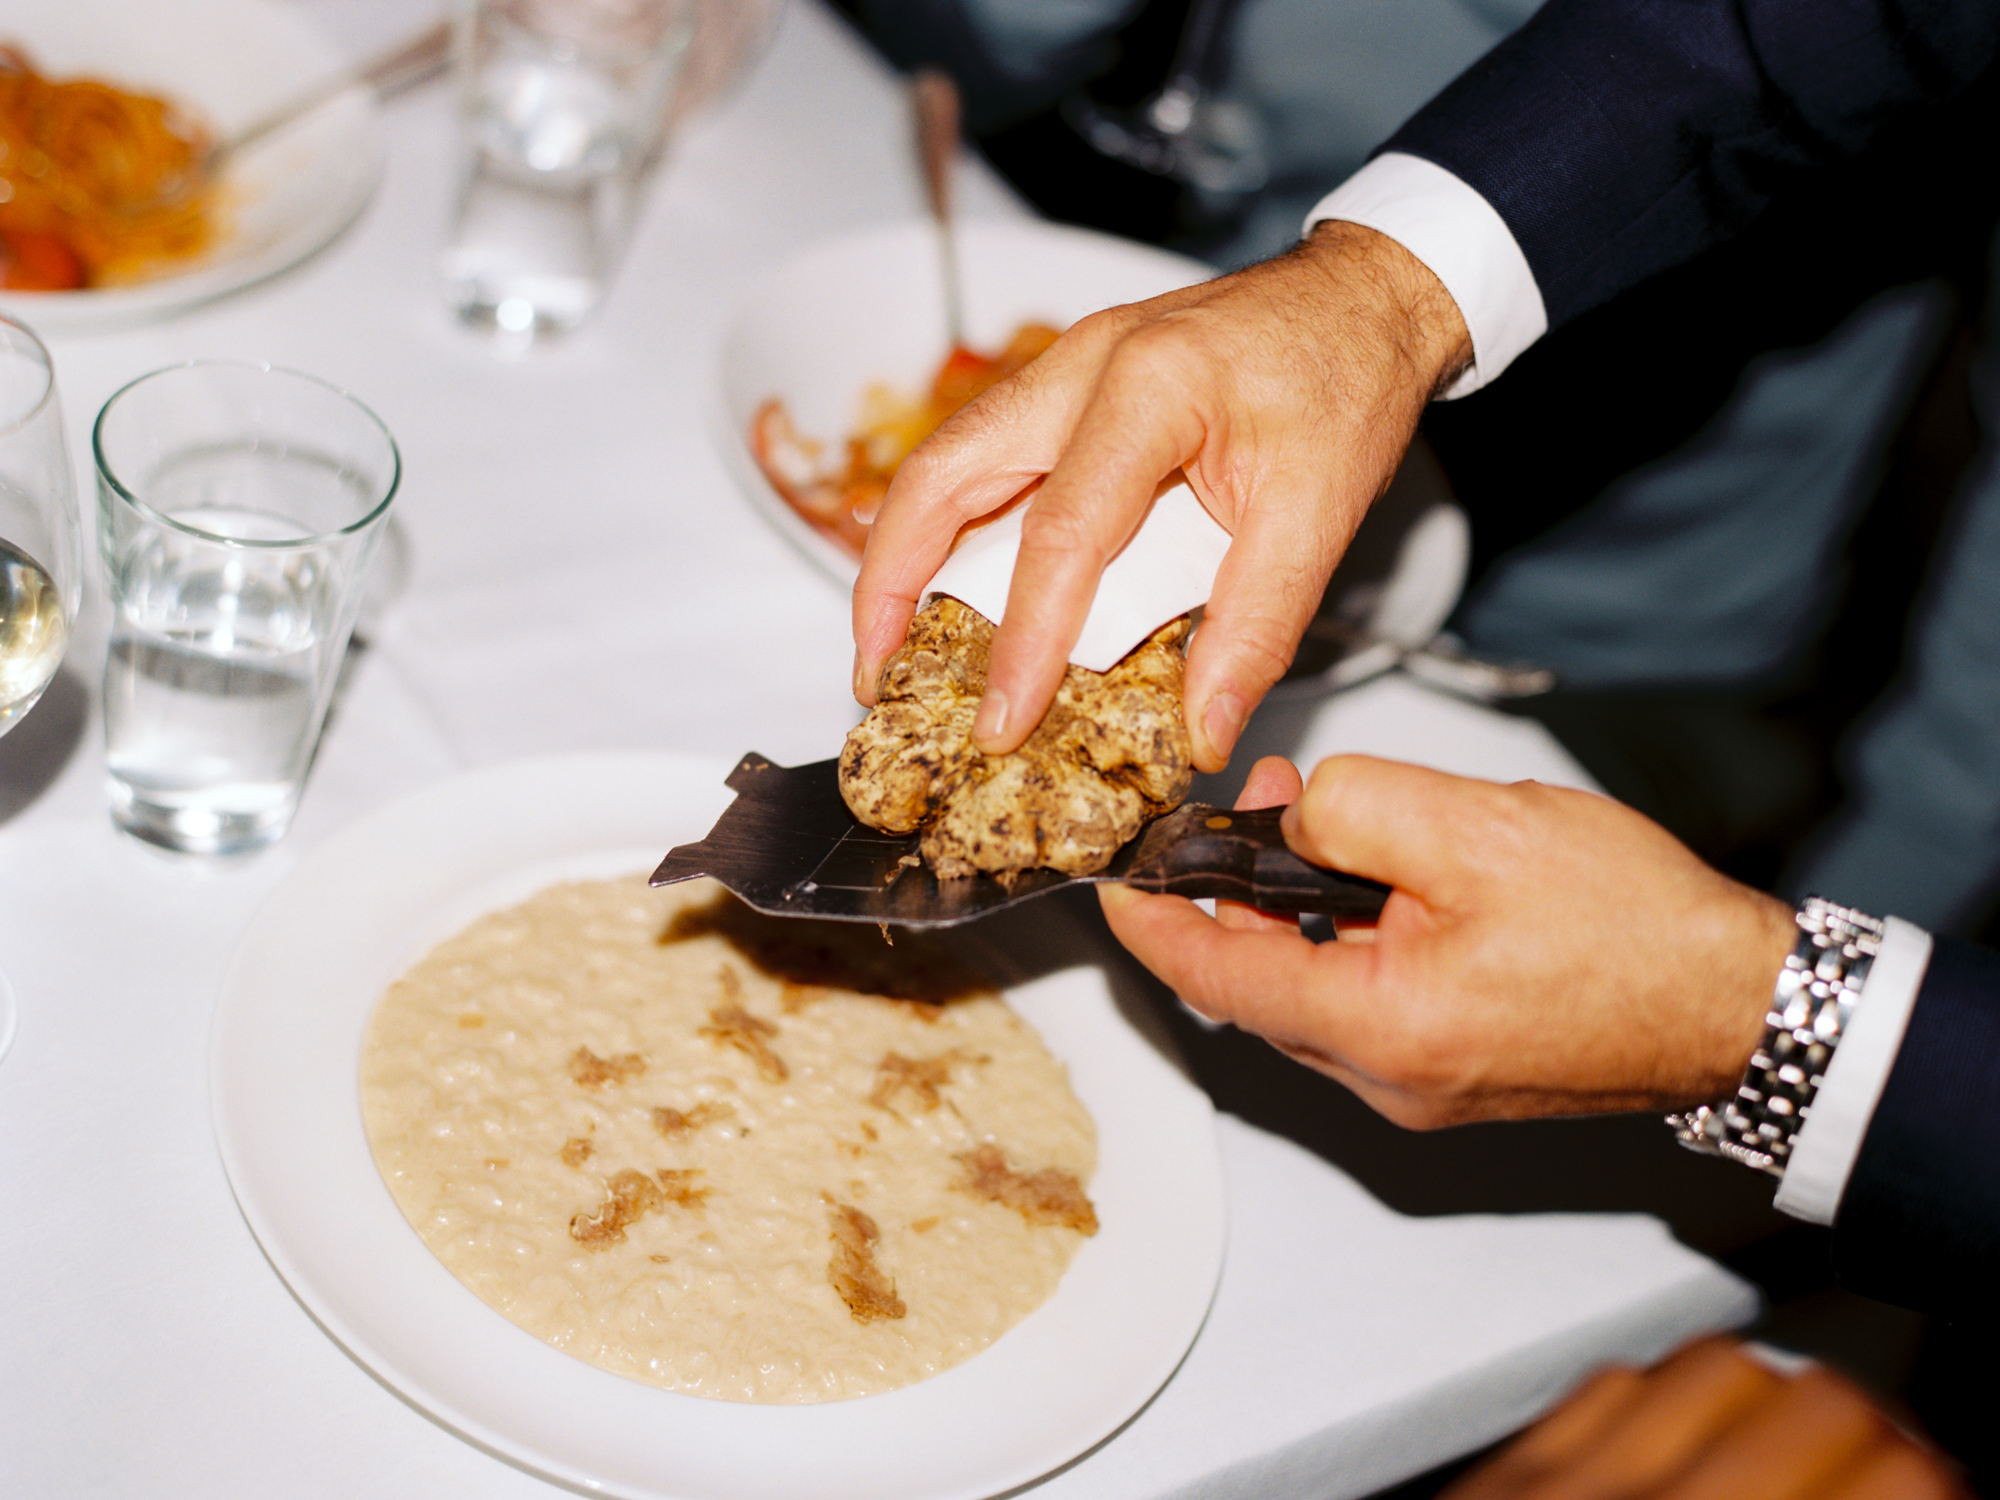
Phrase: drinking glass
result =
(41, 562)
(238, 509)
(562, 103)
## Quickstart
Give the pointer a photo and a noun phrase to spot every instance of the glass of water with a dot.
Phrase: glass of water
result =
(562, 104)
(238, 509)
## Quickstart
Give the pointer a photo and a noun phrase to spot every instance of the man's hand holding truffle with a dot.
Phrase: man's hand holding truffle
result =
(1286, 393)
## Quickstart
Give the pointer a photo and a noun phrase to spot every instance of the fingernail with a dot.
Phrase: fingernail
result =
(1288, 821)
(992, 721)
(860, 677)
(1222, 722)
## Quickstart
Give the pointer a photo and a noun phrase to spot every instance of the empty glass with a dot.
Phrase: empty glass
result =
(238, 509)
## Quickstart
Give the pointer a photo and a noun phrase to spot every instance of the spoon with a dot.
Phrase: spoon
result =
(401, 67)
(1443, 662)
(934, 98)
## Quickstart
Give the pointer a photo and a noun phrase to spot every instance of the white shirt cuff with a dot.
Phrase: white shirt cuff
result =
(1456, 233)
(1824, 1150)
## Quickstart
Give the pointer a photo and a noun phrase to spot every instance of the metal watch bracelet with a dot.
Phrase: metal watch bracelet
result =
(1816, 992)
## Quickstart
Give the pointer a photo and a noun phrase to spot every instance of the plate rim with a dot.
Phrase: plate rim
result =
(242, 1131)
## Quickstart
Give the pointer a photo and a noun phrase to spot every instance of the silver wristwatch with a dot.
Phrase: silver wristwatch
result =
(1816, 993)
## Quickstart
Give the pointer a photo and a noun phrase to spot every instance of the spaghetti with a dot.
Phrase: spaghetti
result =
(92, 182)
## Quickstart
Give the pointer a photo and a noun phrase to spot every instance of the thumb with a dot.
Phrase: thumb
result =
(1407, 826)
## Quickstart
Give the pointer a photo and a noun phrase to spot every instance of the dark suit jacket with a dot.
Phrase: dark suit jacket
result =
(1618, 138)
(1919, 1223)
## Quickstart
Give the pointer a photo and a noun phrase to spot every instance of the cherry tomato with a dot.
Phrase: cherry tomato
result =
(37, 263)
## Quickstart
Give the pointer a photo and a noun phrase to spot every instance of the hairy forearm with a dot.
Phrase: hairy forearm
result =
(1367, 280)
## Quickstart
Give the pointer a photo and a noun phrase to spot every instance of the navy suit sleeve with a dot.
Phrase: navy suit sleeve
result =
(1919, 1223)
(1618, 138)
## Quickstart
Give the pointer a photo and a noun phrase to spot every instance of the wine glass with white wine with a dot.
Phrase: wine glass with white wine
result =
(41, 556)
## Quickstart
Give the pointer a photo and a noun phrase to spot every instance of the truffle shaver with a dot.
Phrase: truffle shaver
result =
(788, 846)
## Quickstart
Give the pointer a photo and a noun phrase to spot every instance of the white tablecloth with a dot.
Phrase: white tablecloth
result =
(577, 572)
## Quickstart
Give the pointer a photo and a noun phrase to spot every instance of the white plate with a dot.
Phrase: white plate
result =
(869, 308)
(285, 1054)
(228, 61)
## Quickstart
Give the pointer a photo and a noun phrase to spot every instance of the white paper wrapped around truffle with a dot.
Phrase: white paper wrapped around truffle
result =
(1166, 570)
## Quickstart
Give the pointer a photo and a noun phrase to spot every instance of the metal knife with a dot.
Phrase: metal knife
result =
(788, 846)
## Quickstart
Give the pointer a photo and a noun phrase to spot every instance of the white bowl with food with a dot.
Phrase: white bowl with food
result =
(217, 66)
(846, 340)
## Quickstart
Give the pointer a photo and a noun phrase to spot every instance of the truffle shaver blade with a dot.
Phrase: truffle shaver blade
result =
(788, 846)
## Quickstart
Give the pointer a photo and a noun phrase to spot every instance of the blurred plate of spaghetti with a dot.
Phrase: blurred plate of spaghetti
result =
(222, 64)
